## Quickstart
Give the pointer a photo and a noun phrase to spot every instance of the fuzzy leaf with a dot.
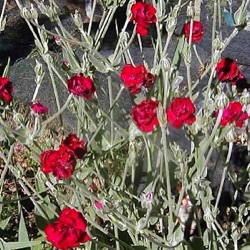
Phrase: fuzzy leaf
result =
(6, 69)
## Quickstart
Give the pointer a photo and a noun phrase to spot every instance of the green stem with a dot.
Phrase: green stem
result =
(117, 236)
(92, 17)
(6, 167)
(168, 184)
(149, 161)
(229, 153)
(111, 112)
(3, 9)
(214, 24)
(197, 55)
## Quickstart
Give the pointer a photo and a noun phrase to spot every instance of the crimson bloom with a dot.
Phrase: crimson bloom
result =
(233, 113)
(6, 89)
(144, 115)
(68, 231)
(181, 111)
(135, 78)
(81, 86)
(197, 31)
(78, 146)
(228, 71)
(61, 163)
(39, 108)
(144, 16)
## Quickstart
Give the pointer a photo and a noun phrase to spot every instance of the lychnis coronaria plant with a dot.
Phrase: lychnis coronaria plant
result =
(136, 135)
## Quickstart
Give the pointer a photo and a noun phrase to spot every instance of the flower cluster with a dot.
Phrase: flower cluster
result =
(68, 231)
(181, 111)
(61, 163)
(6, 89)
(144, 16)
(136, 77)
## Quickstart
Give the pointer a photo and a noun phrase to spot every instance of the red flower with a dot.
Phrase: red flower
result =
(144, 115)
(81, 86)
(76, 145)
(136, 77)
(227, 70)
(6, 89)
(181, 111)
(197, 32)
(61, 163)
(144, 16)
(39, 108)
(68, 231)
(233, 113)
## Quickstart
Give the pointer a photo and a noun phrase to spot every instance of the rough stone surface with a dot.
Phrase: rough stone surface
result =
(16, 41)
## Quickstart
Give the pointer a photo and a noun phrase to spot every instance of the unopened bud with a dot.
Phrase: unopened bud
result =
(171, 24)
(33, 12)
(58, 40)
(26, 13)
(245, 97)
(39, 72)
(231, 135)
(217, 43)
(221, 100)
(77, 20)
(161, 115)
(190, 10)
(165, 64)
(147, 200)
(240, 16)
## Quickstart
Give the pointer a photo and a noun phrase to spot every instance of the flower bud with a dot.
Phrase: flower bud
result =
(240, 16)
(190, 10)
(52, 11)
(231, 135)
(33, 12)
(147, 200)
(39, 72)
(217, 44)
(66, 65)
(208, 217)
(99, 205)
(161, 115)
(25, 13)
(186, 54)
(165, 64)
(175, 11)
(171, 24)
(58, 40)
(221, 100)
(245, 97)
(77, 20)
